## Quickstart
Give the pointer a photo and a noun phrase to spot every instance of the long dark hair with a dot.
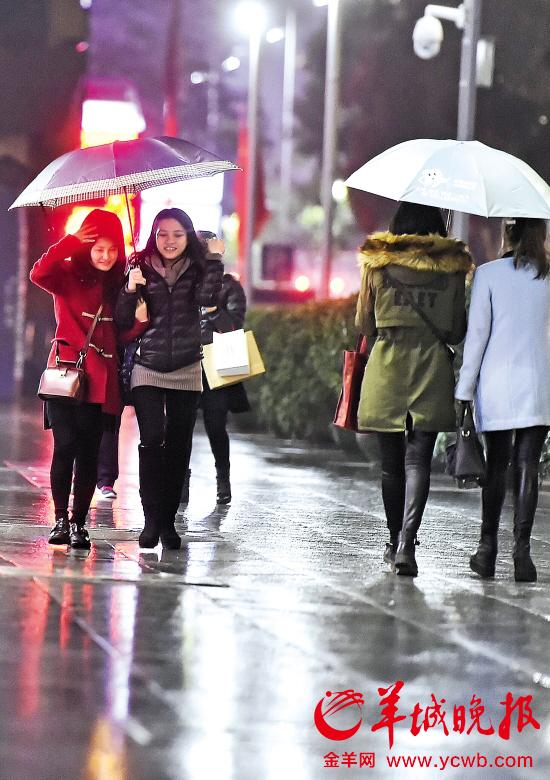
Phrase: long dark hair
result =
(527, 238)
(194, 250)
(417, 219)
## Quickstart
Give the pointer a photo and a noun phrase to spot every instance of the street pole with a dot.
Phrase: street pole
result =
(289, 83)
(256, 35)
(212, 108)
(467, 87)
(330, 126)
(21, 303)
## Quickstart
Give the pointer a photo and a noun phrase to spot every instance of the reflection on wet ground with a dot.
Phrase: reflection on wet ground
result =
(208, 662)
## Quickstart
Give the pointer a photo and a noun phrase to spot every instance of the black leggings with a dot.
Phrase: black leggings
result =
(215, 409)
(406, 467)
(77, 432)
(107, 467)
(524, 452)
(165, 417)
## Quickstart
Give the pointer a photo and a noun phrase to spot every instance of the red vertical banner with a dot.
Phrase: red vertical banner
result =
(261, 213)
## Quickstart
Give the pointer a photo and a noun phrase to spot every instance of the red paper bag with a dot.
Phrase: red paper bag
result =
(354, 368)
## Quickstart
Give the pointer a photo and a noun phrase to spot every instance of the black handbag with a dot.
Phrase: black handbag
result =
(466, 458)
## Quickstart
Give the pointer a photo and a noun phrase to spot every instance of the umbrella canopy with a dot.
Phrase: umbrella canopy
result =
(121, 167)
(457, 175)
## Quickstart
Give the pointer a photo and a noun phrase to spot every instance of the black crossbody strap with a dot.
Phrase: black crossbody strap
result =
(396, 284)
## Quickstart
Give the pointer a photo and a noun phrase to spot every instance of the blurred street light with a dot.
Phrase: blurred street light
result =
(230, 64)
(274, 35)
(251, 17)
(302, 283)
(339, 191)
(287, 128)
(212, 80)
(427, 39)
(330, 127)
(337, 286)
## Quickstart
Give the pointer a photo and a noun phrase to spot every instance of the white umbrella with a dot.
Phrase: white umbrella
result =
(463, 176)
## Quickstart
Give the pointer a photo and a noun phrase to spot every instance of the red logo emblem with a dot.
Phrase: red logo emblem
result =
(339, 700)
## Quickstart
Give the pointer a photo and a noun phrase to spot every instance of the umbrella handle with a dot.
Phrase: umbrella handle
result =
(49, 226)
(130, 219)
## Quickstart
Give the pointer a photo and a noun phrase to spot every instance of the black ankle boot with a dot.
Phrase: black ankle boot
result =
(405, 560)
(223, 486)
(524, 568)
(169, 537)
(79, 537)
(484, 559)
(60, 533)
(391, 549)
(149, 537)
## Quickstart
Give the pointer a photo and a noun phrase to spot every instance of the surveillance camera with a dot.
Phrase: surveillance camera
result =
(427, 37)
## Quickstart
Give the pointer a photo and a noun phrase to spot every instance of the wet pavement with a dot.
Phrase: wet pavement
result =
(209, 662)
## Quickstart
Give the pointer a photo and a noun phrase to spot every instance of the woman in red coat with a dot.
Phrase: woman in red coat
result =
(82, 272)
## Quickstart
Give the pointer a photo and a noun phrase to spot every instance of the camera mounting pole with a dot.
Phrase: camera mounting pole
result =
(467, 17)
(447, 13)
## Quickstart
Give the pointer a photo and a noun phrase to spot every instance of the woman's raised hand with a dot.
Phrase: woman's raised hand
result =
(86, 235)
(215, 246)
(135, 277)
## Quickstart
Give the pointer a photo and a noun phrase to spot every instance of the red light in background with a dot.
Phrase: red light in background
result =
(302, 283)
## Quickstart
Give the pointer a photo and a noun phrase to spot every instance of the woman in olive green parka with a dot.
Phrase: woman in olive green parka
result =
(407, 395)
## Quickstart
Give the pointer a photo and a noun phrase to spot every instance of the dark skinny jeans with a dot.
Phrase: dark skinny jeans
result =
(77, 432)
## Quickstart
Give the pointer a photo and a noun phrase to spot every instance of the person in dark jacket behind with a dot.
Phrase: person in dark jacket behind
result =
(175, 276)
(82, 272)
(228, 314)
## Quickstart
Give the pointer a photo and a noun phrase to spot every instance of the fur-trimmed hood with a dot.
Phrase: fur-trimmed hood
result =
(420, 253)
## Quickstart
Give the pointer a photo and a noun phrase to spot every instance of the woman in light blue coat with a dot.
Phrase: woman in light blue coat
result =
(506, 372)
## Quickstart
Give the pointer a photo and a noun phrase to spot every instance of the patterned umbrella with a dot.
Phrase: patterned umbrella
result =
(122, 167)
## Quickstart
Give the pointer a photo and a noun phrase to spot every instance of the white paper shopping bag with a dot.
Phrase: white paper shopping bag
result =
(231, 353)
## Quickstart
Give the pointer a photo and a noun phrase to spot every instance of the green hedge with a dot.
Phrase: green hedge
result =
(302, 350)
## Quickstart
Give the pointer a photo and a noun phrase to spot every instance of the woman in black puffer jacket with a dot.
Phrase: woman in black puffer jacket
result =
(176, 277)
